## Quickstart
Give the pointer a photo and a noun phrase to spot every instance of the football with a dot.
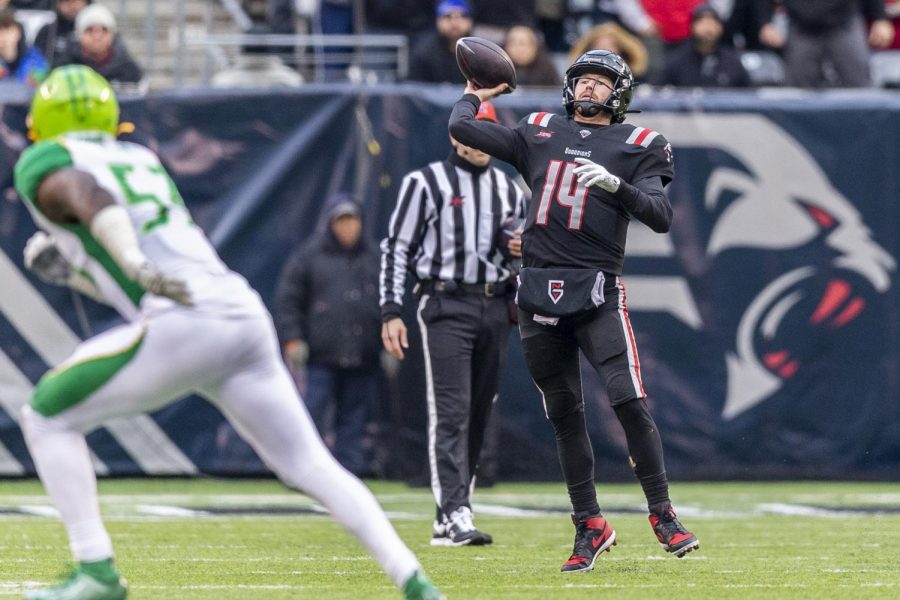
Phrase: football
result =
(484, 63)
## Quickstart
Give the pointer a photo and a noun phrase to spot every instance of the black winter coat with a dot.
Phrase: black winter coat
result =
(328, 297)
(685, 67)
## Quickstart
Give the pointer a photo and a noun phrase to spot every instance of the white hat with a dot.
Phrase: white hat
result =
(95, 14)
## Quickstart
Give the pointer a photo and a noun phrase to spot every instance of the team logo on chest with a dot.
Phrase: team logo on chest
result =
(555, 289)
(584, 133)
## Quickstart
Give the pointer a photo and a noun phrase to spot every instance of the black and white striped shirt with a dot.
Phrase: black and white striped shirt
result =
(447, 225)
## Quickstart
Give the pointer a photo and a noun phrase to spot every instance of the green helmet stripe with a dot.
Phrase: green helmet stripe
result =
(74, 97)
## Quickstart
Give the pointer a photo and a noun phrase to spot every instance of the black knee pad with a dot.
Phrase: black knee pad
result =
(568, 424)
(634, 413)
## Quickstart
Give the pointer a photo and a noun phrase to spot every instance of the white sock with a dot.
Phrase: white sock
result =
(280, 430)
(63, 463)
(352, 504)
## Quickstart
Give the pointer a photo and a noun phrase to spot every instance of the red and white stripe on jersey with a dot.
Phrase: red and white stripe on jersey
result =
(641, 136)
(634, 363)
(541, 119)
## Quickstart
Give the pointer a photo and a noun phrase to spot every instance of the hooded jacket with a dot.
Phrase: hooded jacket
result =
(328, 297)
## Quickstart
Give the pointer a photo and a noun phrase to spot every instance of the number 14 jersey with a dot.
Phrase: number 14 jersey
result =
(568, 224)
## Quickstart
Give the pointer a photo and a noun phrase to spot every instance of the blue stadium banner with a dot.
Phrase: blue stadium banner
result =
(767, 320)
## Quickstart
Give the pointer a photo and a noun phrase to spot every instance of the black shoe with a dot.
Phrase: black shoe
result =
(593, 536)
(671, 533)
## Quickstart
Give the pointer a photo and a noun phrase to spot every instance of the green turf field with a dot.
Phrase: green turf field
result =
(248, 540)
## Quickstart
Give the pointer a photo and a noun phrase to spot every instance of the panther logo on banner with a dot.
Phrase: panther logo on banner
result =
(783, 240)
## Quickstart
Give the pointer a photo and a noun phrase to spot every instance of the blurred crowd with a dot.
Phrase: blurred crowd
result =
(680, 43)
(39, 35)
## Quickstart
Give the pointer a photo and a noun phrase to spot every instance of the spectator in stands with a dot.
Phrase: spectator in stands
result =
(329, 323)
(534, 65)
(551, 17)
(53, 37)
(661, 24)
(743, 25)
(434, 60)
(493, 18)
(18, 61)
(609, 36)
(826, 43)
(257, 67)
(704, 61)
(412, 18)
(96, 44)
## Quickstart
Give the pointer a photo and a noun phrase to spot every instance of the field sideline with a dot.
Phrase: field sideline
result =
(249, 540)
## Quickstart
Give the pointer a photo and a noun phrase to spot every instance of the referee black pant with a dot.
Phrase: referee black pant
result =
(464, 337)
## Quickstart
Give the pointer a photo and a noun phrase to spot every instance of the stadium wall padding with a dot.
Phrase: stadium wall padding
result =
(768, 320)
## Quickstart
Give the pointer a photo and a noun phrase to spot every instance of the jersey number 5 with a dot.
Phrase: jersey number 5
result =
(160, 190)
(567, 190)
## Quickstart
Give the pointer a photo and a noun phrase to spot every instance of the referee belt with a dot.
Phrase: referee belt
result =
(488, 289)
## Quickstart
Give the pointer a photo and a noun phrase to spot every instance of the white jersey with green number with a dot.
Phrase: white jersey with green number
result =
(134, 177)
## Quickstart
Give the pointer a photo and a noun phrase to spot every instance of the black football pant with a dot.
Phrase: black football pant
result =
(464, 337)
(552, 355)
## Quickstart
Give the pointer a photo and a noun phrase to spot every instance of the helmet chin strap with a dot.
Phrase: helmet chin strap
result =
(587, 108)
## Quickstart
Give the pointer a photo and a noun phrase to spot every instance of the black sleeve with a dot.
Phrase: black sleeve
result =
(290, 297)
(492, 138)
(874, 10)
(765, 9)
(647, 202)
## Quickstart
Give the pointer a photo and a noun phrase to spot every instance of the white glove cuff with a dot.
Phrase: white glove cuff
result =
(112, 227)
(612, 183)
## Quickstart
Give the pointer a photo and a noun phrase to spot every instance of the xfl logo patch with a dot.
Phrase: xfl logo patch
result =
(555, 289)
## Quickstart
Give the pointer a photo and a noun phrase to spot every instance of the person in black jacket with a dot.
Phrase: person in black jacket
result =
(434, 59)
(53, 37)
(329, 322)
(97, 44)
(703, 61)
(827, 44)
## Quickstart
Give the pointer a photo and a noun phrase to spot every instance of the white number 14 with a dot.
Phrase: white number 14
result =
(569, 193)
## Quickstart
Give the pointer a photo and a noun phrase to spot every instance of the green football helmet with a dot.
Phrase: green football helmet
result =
(73, 98)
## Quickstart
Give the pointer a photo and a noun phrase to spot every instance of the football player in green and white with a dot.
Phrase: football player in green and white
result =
(114, 226)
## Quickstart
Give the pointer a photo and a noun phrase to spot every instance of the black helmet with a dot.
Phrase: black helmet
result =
(610, 64)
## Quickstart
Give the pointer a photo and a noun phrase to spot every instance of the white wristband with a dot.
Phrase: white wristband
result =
(112, 227)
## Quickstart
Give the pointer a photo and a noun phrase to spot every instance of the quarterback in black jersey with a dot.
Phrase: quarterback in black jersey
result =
(589, 173)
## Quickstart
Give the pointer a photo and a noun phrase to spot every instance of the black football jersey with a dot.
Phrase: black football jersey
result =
(568, 224)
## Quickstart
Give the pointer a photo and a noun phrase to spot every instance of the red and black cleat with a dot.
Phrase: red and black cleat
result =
(593, 535)
(671, 533)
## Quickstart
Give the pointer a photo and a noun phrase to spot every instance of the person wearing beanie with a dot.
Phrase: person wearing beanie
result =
(433, 60)
(95, 42)
(704, 61)
(52, 37)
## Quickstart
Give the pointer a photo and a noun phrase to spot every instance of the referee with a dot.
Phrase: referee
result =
(453, 227)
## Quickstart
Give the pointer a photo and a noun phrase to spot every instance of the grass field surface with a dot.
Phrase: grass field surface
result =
(248, 540)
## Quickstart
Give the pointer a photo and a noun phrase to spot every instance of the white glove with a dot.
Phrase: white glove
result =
(43, 258)
(148, 277)
(590, 173)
